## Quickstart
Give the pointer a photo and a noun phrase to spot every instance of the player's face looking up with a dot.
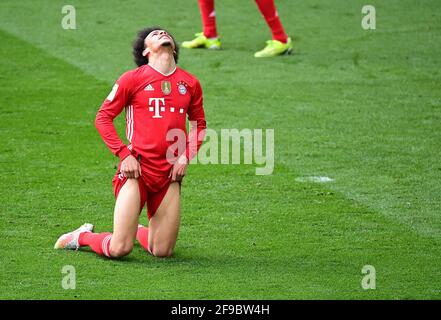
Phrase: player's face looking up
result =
(156, 40)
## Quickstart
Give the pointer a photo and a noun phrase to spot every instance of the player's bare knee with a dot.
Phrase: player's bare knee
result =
(162, 252)
(120, 249)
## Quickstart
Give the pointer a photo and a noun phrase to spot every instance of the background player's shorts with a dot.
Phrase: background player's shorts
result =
(152, 189)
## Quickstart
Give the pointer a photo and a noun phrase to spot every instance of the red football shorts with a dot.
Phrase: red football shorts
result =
(152, 189)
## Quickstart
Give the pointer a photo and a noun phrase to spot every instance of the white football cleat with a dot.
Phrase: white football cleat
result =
(70, 240)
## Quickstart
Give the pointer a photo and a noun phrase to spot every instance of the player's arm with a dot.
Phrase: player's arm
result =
(196, 116)
(115, 102)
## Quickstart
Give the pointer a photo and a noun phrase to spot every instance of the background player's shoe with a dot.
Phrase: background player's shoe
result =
(275, 48)
(202, 41)
(70, 240)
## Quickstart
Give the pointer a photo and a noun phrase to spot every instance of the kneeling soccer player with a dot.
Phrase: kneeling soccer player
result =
(156, 97)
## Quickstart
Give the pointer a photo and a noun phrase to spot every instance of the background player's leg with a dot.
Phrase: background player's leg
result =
(208, 37)
(269, 12)
(208, 18)
(164, 225)
(126, 215)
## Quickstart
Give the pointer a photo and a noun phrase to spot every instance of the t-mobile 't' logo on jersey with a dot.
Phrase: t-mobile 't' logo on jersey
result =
(157, 108)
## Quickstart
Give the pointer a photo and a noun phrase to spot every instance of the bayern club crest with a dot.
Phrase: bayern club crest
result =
(182, 87)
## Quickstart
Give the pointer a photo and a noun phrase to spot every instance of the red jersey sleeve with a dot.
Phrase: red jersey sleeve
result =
(115, 102)
(196, 116)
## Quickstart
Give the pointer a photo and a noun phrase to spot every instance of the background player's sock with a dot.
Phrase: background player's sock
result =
(142, 235)
(269, 12)
(98, 242)
(208, 18)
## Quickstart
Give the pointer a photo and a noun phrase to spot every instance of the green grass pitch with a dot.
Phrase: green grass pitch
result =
(361, 107)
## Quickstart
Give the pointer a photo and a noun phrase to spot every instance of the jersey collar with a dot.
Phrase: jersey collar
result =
(165, 75)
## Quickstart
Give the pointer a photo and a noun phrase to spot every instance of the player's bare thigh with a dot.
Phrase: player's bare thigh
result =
(164, 225)
(126, 214)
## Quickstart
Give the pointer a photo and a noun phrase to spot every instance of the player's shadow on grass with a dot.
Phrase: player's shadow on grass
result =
(181, 257)
(140, 256)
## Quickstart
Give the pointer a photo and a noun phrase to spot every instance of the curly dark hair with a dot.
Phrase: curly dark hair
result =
(138, 46)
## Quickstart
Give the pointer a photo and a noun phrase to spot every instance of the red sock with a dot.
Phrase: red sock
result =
(208, 18)
(142, 235)
(269, 12)
(98, 242)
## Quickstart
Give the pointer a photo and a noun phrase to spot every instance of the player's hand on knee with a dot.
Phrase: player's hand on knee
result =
(130, 168)
(179, 169)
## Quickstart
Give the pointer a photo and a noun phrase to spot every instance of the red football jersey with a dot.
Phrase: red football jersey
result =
(154, 103)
